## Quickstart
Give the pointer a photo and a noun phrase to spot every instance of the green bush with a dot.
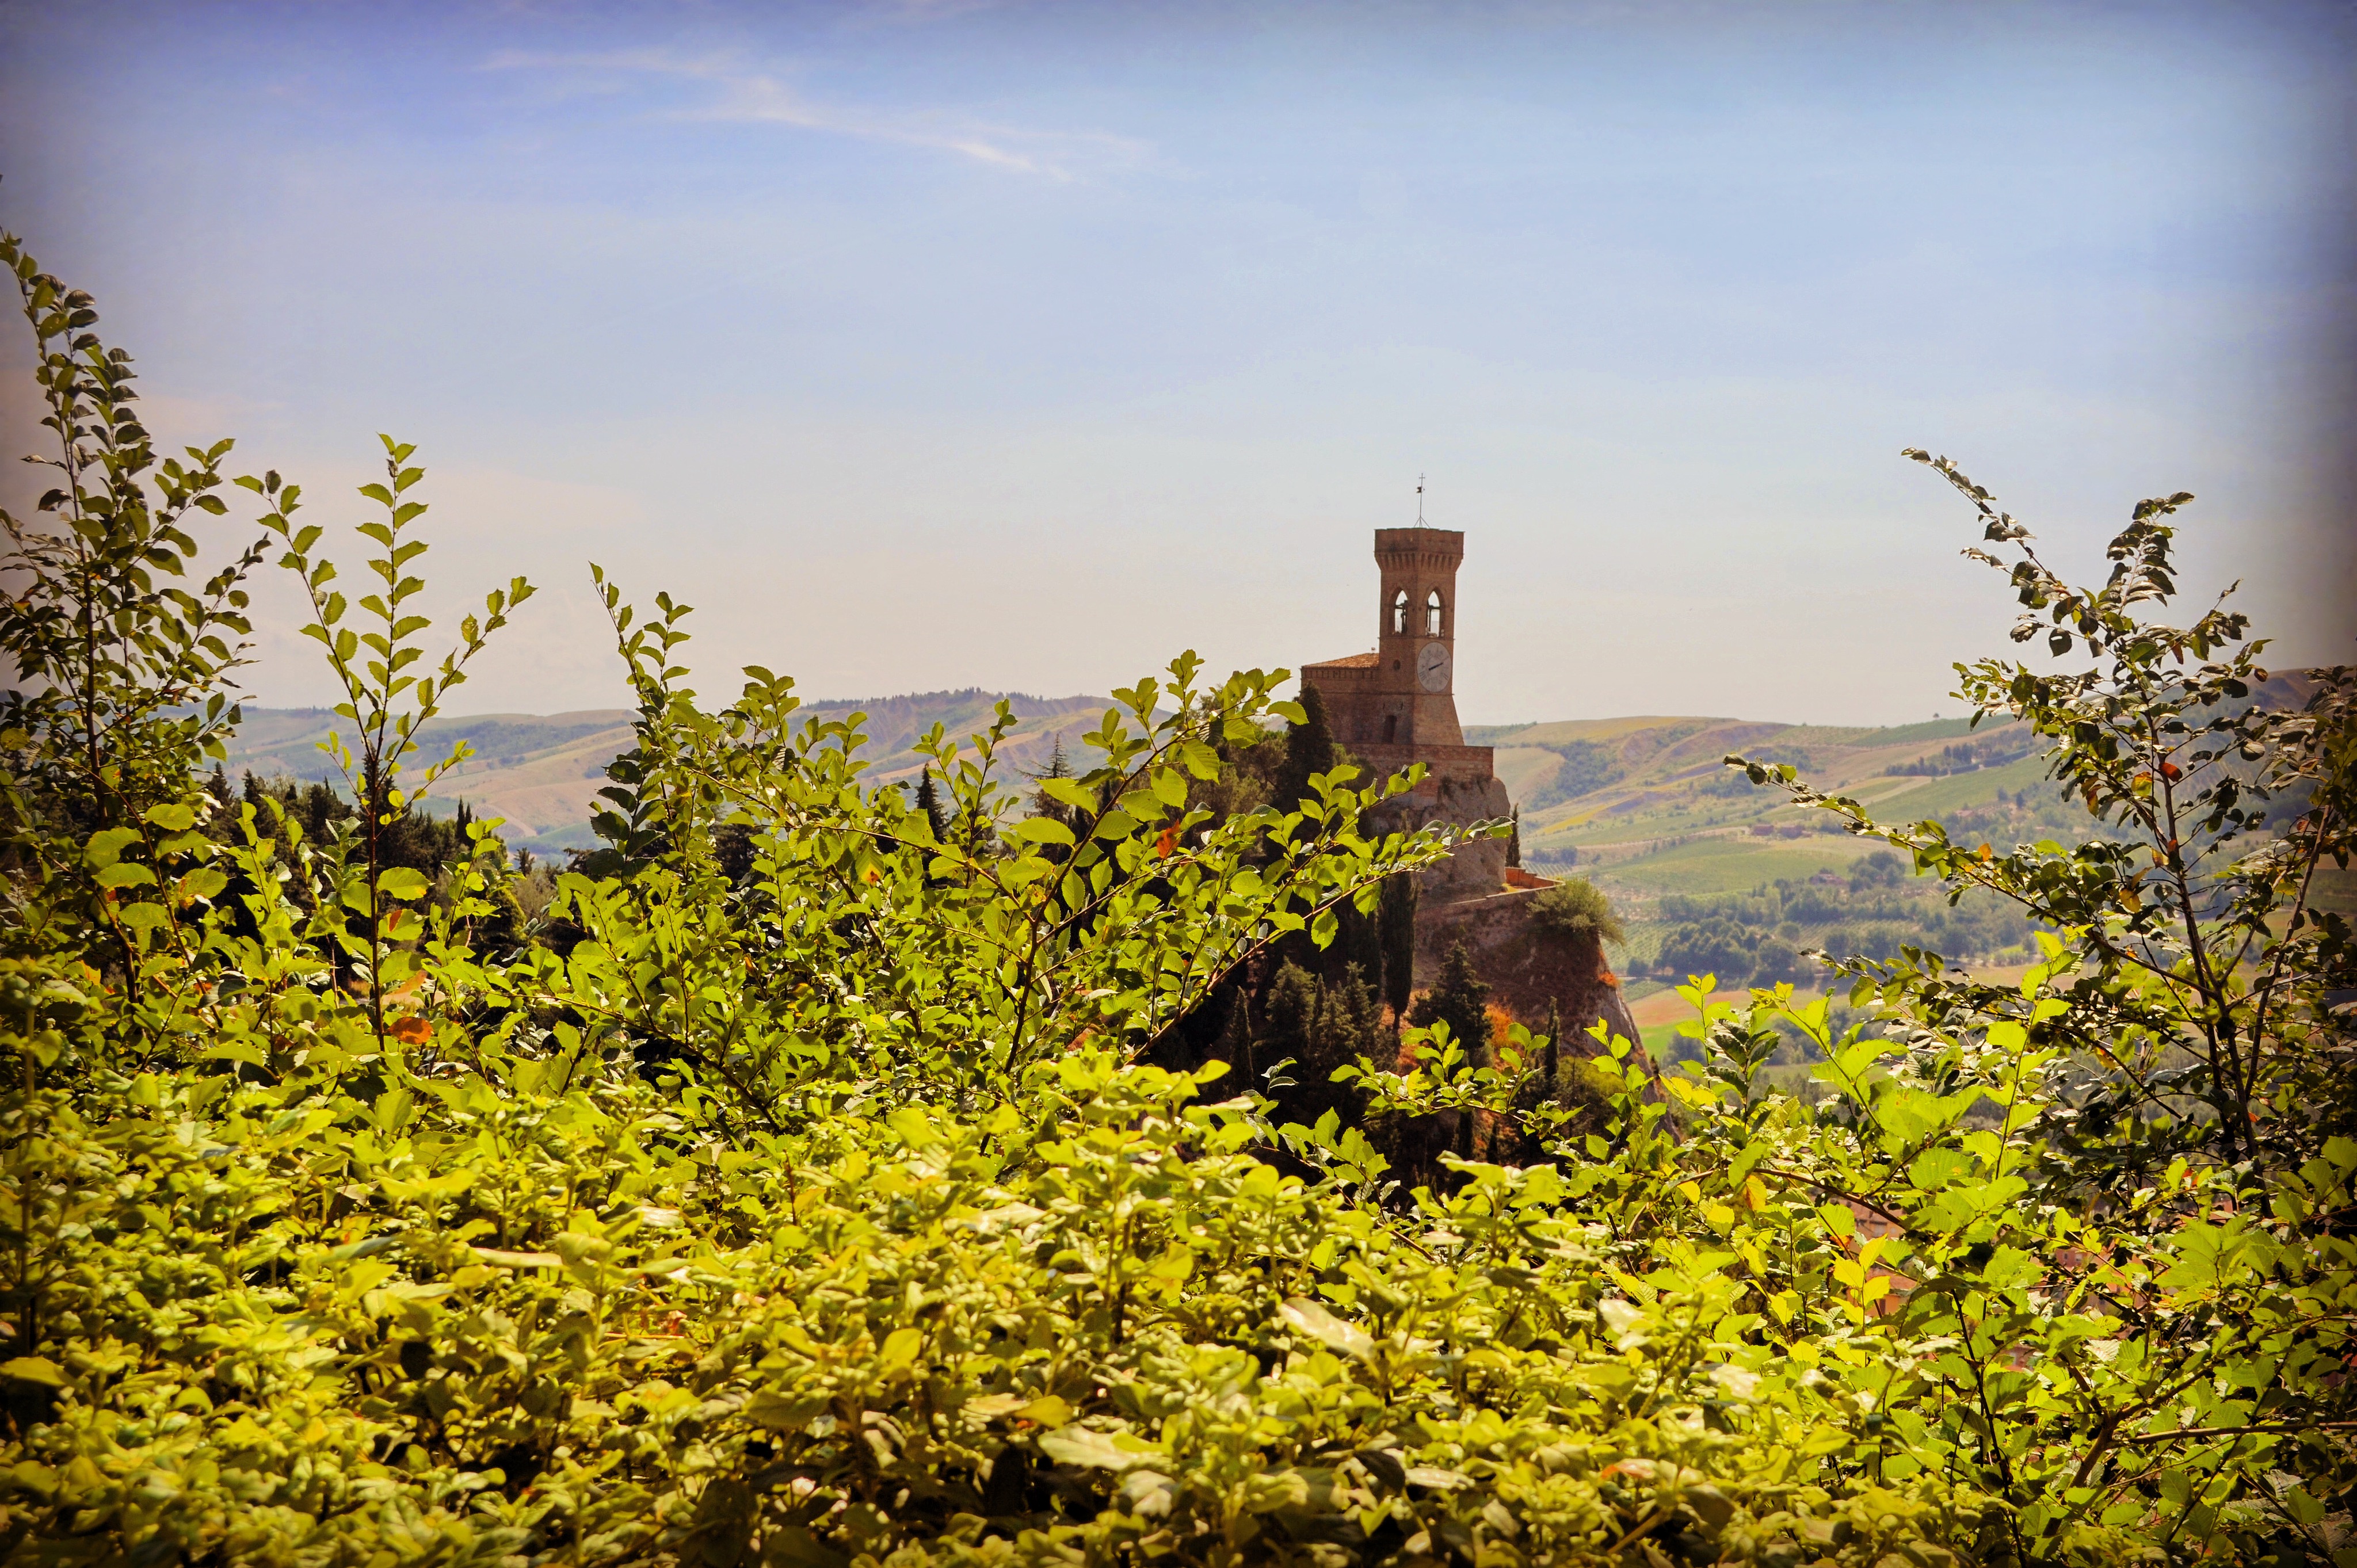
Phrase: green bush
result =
(1577, 908)
(824, 1210)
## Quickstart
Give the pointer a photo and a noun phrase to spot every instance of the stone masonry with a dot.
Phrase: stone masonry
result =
(1397, 705)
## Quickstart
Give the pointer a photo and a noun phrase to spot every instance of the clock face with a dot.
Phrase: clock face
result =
(1432, 667)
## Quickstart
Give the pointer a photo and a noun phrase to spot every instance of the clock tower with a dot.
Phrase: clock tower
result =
(1417, 647)
(1396, 706)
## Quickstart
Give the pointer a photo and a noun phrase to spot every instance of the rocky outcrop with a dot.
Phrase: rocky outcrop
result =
(1527, 969)
(1461, 798)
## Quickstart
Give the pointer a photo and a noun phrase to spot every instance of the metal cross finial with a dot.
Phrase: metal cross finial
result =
(1419, 500)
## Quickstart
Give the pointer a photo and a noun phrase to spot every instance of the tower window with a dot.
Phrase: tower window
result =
(1432, 614)
(1391, 728)
(1399, 613)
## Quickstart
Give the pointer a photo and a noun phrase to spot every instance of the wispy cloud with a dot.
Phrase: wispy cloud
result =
(738, 92)
(927, 10)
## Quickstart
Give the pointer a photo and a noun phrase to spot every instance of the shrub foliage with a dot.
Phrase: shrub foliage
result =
(797, 1189)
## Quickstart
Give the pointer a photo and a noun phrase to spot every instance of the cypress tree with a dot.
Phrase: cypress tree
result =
(1358, 944)
(1395, 932)
(1514, 840)
(1308, 749)
(1235, 1039)
(1555, 1040)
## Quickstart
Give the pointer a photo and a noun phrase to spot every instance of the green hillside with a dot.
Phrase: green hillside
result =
(1613, 791)
(1708, 871)
(542, 772)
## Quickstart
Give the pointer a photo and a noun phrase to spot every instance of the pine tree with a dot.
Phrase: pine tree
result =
(1347, 1030)
(1319, 1024)
(1289, 1015)
(1043, 804)
(1059, 765)
(1351, 1023)
(1460, 999)
(929, 801)
(1544, 1088)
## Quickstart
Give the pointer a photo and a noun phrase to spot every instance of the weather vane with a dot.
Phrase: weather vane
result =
(1419, 500)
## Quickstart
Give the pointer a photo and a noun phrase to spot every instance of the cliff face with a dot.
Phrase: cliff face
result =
(1526, 969)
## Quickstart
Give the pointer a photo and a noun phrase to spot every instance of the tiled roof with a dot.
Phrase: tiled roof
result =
(1367, 660)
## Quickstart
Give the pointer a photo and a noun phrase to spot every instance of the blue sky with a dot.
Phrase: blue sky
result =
(926, 345)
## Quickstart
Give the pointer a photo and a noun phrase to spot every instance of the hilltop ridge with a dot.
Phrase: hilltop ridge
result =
(542, 772)
(1642, 801)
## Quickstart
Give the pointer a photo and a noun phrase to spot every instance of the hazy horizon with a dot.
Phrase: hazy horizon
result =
(942, 344)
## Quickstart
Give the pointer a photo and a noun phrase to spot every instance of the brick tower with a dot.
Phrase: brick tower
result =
(1397, 704)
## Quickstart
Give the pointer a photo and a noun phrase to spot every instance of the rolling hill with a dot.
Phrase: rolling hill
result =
(1643, 805)
(543, 772)
(1646, 809)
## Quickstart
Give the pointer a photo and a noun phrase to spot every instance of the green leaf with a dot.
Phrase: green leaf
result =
(2010, 1267)
(899, 1351)
(916, 1129)
(1047, 1410)
(1935, 1168)
(402, 882)
(1962, 1203)
(2213, 1257)
(1071, 792)
(107, 846)
(34, 1369)
(1312, 1318)
(1095, 1450)
(1041, 830)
